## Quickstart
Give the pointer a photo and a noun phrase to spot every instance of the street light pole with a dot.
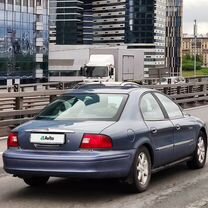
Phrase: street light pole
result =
(195, 48)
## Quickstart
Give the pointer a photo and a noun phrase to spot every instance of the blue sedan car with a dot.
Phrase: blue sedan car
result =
(125, 133)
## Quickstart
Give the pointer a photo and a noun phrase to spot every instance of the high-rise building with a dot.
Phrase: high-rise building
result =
(87, 22)
(174, 36)
(109, 21)
(146, 30)
(71, 22)
(23, 37)
(141, 24)
(66, 21)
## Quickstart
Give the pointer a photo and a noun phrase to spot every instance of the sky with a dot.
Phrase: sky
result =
(195, 9)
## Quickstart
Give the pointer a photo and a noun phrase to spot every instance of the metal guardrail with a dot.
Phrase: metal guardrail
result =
(37, 86)
(150, 81)
(21, 106)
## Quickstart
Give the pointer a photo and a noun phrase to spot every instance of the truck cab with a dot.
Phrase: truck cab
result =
(99, 68)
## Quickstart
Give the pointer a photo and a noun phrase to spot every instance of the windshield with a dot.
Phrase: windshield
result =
(163, 79)
(97, 71)
(85, 107)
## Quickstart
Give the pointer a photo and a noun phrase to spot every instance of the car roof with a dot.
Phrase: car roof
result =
(82, 85)
(110, 90)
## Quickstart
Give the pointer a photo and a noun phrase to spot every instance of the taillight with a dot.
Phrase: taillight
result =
(12, 140)
(96, 141)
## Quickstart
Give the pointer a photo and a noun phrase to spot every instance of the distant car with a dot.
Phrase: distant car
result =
(125, 133)
(94, 85)
(172, 80)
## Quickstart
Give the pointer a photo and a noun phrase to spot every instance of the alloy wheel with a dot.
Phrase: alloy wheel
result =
(201, 153)
(142, 168)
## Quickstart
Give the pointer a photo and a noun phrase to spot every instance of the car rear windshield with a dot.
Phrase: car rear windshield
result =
(106, 107)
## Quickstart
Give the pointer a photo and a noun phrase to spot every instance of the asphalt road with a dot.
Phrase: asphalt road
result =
(176, 187)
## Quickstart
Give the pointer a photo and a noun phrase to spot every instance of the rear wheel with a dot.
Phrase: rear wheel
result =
(199, 157)
(140, 175)
(36, 181)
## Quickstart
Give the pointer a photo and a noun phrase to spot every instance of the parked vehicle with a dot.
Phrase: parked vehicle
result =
(172, 80)
(114, 64)
(125, 133)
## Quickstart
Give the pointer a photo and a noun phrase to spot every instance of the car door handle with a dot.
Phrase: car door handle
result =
(178, 127)
(153, 130)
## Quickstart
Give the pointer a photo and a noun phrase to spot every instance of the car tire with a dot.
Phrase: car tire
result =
(36, 181)
(140, 173)
(199, 156)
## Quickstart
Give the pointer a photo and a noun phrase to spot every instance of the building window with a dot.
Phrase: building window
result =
(38, 2)
(31, 3)
(9, 4)
(45, 5)
(25, 3)
(2, 3)
(18, 2)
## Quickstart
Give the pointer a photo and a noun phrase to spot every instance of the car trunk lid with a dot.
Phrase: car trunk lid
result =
(57, 135)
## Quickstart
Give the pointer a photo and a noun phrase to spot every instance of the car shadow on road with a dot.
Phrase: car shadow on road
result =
(86, 191)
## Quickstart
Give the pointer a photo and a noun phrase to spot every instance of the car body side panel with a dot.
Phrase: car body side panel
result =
(185, 136)
(199, 124)
(162, 141)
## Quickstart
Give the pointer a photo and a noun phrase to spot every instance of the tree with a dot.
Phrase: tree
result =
(188, 62)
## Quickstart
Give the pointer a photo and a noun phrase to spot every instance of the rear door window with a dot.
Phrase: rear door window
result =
(150, 108)
(171, 108)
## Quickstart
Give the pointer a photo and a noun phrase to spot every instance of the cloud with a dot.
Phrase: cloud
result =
(196, 9)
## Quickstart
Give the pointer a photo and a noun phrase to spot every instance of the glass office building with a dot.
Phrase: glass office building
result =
(23, 37)
(71, 22)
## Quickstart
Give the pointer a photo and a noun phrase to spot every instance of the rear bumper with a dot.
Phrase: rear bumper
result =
(102, 164)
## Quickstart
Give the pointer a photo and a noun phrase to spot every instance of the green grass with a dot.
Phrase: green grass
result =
(201, 72)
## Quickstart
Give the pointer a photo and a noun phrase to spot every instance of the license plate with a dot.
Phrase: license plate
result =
(39, 138)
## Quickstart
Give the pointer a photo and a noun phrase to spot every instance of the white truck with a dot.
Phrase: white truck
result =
(114, 64)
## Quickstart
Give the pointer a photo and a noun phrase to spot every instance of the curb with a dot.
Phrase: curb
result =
(197, 107)
(2, 172)
(3, 138)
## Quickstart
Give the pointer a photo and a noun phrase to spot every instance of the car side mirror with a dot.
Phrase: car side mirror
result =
(82, 71)
(111, 73)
